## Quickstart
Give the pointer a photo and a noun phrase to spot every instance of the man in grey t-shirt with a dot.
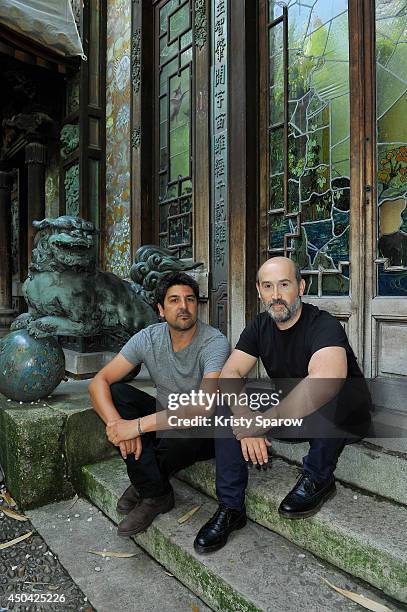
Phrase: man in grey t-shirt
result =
(179, 354)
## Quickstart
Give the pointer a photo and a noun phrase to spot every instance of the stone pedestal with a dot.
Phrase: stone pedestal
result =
(85, 365)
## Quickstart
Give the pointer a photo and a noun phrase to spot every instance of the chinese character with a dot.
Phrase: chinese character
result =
(220, 75)
(220, 121)
(220, 49)
(219, 210)
(220, 144)
(219, 167)
(220, 98)
(219, 26)
(220, 9)
(220, 185)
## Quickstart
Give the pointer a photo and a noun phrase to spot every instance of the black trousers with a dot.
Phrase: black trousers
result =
(160, 457)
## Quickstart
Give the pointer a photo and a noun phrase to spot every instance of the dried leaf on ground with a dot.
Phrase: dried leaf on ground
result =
(169, 574)
(8, 499)
(188, 515)
(363, 601)
(16, 540)
(117, 554)
(14, 515)
(75, 499)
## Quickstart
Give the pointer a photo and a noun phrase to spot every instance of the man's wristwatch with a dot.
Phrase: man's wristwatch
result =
(139, 430)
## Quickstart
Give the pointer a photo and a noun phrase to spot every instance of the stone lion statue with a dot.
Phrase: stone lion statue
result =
(68, 295)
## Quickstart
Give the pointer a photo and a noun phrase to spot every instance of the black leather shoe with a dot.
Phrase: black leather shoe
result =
(307, 497)
(129, 500)
(214, 534)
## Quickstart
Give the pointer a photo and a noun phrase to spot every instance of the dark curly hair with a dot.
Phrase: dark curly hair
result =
(175, 278)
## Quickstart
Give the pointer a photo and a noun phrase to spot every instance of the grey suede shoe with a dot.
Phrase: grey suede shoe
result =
(143, 515)
(129, 500)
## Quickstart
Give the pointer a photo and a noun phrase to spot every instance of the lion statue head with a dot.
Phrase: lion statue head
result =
(64, 242)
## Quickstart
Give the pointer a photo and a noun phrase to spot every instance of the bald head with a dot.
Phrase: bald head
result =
(280, 288)
(281, 265)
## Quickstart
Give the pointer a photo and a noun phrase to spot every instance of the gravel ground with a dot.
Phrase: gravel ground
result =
(29, 570)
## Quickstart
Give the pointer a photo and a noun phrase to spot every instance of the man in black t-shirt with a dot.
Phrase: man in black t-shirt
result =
(293, 341)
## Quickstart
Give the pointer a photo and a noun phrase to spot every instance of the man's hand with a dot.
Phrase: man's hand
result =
(131, 446)
(255, 449)
(121, 430)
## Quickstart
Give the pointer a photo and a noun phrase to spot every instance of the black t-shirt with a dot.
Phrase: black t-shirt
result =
(287, 353)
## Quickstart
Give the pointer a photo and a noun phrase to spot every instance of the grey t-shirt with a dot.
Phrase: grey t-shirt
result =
(182, 371)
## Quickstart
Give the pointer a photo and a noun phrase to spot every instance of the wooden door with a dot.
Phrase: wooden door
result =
(385, 331)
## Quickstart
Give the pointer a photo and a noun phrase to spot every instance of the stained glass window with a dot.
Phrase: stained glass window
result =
(308, 135)
(175, 87)
(391, 107)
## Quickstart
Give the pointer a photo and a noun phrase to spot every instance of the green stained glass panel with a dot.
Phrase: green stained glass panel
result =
(276, 39)
(179, 21)
(179, 230)
(186, 57)
(163, 186)
(392, 126)
(163, 109)
(340, 153)
(175, 132)
(167, 51)
(384, 48)
(397, 61)
(337, 45)
(389, 89)
(278, 226)
(341, 111)
(186, 187)
(180, 129)
(293, 196)
(277, 191)
(186, 205)
(276, 151)
(391, 27)
(391, 103)
(276, 104)
(186, 39)
(275, 9)
(164, 11)
(325, 11)
(163, 218)
(318, 145)
(166, 72)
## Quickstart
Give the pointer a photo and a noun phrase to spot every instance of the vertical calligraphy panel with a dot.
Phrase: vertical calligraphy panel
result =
(219, 163)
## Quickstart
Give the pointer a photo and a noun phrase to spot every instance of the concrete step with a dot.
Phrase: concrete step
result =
(366, 466)
(359, 533)
(72, 529)
(257, 570)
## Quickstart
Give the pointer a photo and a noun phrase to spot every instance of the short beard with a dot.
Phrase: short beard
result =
(283, 317)
(184, 326)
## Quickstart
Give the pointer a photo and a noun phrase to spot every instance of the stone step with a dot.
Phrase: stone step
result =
(257, 570)
(359, 533)
(71, 529)
(43, 446)
(366, 466)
